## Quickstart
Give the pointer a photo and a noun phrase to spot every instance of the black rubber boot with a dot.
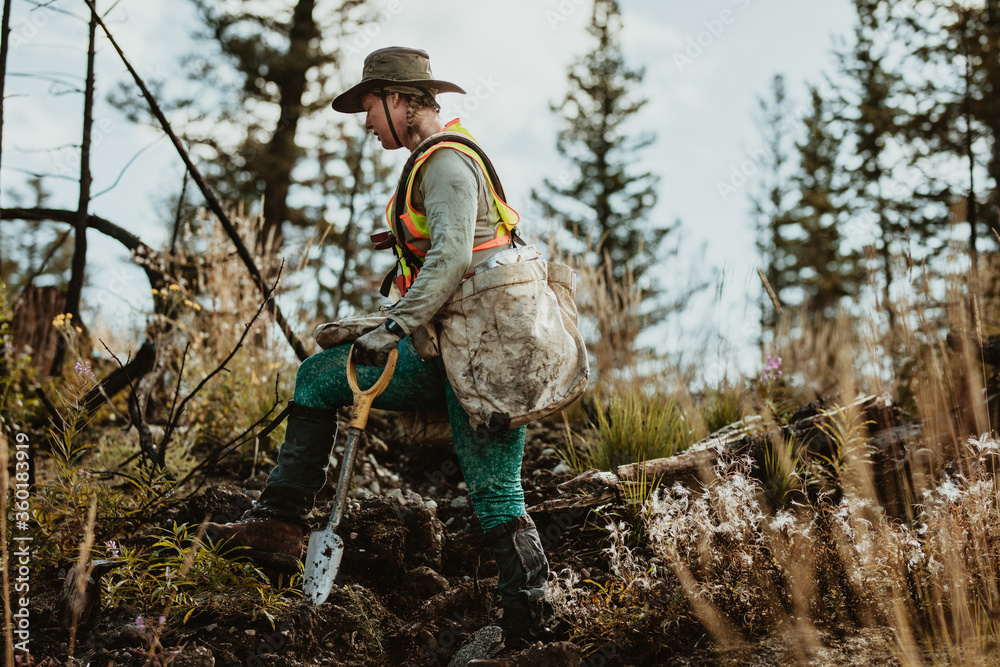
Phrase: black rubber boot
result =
(523, 574)
(302, 462)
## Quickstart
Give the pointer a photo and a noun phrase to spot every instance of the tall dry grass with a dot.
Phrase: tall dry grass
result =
(838, 560)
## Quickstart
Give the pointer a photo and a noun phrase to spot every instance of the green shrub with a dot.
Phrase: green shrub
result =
(721, 405)
(636, 425)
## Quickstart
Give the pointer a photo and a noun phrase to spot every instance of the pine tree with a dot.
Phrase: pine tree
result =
(604, 201)
(826, 269)
(601, 203)
(957, 48)
(870, 112)
(772, 202)
(273, 54)
(801, 211)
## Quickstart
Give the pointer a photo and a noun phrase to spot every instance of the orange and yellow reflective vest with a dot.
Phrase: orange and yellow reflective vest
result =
(414, 225)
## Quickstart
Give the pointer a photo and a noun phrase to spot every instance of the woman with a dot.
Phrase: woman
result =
(449, 221)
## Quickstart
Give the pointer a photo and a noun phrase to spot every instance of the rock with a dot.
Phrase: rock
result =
(427, 583)
(548, 451)
(424, 532)
(395, 494)
(195, 656)
(562, 468)
(460, 502)
(431, 505)
(485, 644)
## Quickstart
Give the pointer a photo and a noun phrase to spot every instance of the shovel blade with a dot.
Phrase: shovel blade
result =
(326, 549)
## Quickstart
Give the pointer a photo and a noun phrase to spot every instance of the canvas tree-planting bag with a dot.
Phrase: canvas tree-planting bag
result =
(510, 344)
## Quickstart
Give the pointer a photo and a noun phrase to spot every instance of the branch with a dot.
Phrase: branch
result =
(135, 414)
(217, 455)
(122, 377)
(125, 168)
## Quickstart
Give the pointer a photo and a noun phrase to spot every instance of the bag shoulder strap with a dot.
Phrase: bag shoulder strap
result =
(397, 221)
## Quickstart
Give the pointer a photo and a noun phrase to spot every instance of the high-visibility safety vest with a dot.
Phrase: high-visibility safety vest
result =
(409, 257)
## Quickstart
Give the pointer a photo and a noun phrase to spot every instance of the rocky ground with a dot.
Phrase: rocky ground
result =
(414, 585)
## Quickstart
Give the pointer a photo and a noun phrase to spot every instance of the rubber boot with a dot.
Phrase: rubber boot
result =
(523, 574)
(271, 531)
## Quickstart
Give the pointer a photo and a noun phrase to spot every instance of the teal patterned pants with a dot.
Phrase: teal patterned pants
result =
(490, 464)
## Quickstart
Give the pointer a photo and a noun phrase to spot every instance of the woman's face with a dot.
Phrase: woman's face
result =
(376, 121)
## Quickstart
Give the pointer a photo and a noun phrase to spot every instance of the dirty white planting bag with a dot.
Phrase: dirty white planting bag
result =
(510, 344)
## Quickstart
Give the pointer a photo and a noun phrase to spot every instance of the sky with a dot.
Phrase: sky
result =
(706, 64)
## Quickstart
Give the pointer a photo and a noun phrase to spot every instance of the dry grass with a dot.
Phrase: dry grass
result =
(833, 560)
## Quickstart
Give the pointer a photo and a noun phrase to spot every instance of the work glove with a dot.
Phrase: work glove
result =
(372, 349)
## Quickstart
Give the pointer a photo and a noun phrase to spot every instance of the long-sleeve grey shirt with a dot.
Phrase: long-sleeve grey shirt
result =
(452, 191)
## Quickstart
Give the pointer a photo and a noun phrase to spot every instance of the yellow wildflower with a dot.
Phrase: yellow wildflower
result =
(175, 287)
(155, 291)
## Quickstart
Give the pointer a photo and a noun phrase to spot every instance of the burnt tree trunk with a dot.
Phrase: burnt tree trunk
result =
(142, 254)
(4, 46)
(75, 288)
(281, 154)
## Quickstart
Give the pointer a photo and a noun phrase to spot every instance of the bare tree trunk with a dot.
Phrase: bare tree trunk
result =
(970, 198)
(4, 46)
(349, 246)
(991, 62)
(281, 151)
(75, 288)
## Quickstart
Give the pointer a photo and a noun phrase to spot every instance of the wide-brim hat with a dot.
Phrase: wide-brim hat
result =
(393, 66)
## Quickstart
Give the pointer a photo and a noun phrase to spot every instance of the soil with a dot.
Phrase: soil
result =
(413, 586)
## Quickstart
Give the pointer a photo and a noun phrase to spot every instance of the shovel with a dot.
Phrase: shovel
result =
(326, 548)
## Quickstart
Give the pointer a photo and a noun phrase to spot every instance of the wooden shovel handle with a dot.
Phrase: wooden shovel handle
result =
(363, 399)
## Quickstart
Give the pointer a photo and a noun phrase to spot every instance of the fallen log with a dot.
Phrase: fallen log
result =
(695, 466)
